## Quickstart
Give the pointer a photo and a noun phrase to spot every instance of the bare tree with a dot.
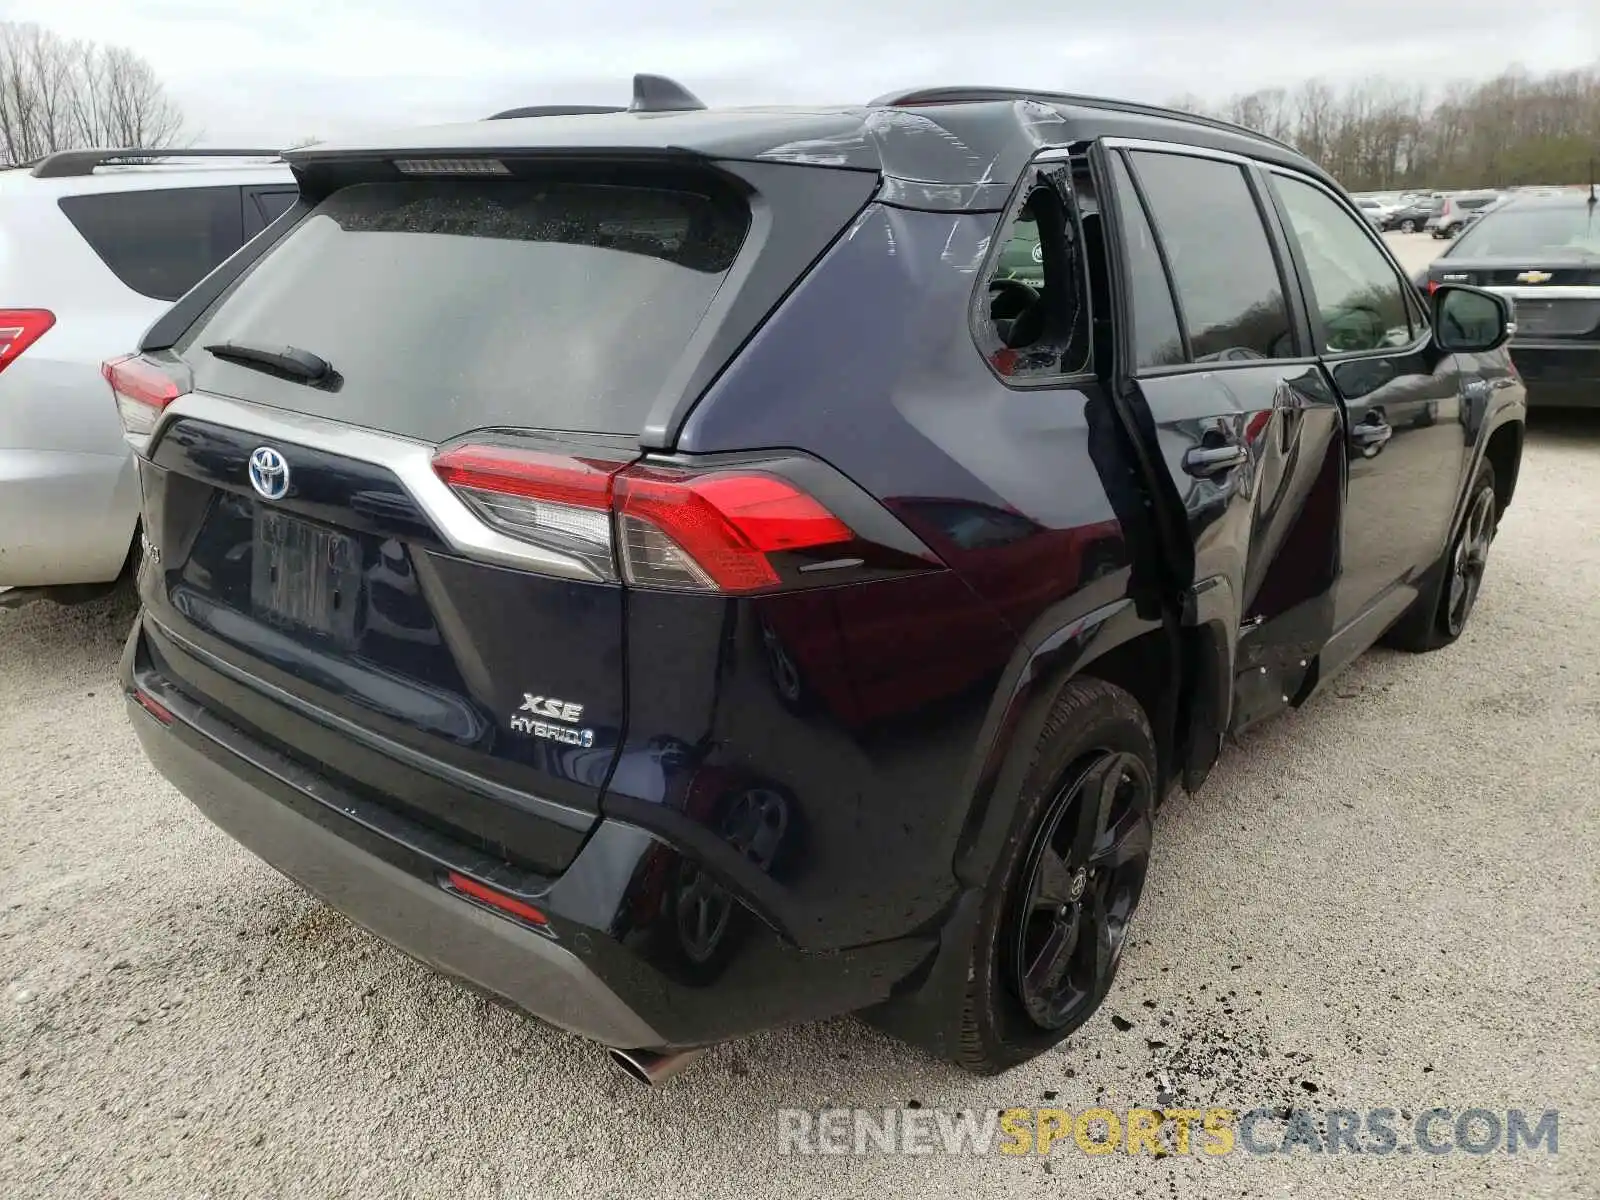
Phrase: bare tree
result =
(1381, 133)
(57, 94)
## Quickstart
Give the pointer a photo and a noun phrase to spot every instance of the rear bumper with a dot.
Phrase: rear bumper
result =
(65, 517)
(610, 966)
(530, 969)
(1559, 374)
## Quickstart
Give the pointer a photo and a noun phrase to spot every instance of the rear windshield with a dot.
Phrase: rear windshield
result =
(1533, 233)
(446, 305)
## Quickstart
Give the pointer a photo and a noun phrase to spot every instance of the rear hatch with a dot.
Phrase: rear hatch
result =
(355, 556)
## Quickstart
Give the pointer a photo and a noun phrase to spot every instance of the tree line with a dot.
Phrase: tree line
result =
(1381, 134)
(62, 94)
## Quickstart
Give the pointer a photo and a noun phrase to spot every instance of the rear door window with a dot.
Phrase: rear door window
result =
(1156, 340)
(448, 305)
(1229, 292)
(159, 242)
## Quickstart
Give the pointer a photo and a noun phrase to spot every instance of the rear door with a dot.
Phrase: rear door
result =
(1245, 423)
(380, 507)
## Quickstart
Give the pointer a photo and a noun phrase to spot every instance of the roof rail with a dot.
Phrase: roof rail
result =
(64, 164)
(976, 95)
(555, 110)
(657, 93)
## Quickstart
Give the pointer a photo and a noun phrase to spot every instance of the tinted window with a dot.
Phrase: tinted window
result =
(1222, 264)
(447, 306)
(1036, 299)
(160, 243)
(272, 205)
(1155, 323)
(1361, 299)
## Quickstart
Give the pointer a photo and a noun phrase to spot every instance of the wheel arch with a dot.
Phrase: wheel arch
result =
(1147, 655)
(1503, 451)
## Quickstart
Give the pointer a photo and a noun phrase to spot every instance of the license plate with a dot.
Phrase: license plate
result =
(305, 576)
(1557, 318)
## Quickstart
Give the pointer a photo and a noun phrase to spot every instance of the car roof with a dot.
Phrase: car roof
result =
(1565, 197)
(976, 141)
(74, 172)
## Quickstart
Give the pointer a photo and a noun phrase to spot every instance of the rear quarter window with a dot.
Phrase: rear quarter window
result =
(452, 305)
(159, 242)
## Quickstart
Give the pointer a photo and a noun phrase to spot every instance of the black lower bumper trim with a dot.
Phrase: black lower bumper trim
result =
(527, 968)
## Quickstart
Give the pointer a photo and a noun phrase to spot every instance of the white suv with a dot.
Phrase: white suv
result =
(94, 246)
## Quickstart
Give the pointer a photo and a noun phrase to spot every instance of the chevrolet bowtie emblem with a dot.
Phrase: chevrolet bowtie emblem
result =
(1535, 277)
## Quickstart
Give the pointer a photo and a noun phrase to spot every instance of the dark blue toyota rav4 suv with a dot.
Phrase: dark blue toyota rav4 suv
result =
(686, 572)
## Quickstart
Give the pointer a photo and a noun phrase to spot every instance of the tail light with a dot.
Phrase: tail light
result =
(715, 531)
(143, 389)
(19, 329)
(668, 527)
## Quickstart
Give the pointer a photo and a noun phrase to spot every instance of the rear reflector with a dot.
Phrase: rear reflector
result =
(485, 894)
(19, 329)
(143, 389)
(685, 530)
(153, 706)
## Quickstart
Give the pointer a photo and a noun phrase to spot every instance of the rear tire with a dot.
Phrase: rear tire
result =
(1058, 903)
(1441, 612)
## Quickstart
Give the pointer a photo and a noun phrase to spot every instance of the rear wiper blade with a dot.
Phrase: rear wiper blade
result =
(291, 362)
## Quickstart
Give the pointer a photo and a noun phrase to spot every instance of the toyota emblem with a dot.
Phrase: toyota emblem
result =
(269, 473)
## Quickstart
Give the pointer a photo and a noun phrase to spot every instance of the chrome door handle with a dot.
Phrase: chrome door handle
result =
(1207, 462)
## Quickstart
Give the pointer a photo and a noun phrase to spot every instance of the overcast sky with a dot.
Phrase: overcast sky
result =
(278, 70)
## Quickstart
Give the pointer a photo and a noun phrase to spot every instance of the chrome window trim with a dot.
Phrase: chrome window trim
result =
(409, 460)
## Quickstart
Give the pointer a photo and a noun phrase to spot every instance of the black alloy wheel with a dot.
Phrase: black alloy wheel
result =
(1469, 560)
(1084, 875)
(1440, 613)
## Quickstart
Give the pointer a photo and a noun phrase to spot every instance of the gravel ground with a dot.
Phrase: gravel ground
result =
(1385, 900)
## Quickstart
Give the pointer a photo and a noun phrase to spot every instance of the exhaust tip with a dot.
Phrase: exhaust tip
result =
(650, 1068)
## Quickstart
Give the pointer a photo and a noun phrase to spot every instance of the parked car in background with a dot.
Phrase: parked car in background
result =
(1413, 215)
(1542, 249)
(1375, 211)
(1457, 210)
(825, 643)
(94, 246)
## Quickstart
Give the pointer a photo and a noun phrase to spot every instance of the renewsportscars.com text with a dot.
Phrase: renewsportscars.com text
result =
(1204, 1132)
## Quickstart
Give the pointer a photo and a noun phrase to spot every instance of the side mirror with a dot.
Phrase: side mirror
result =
(1469, 320)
